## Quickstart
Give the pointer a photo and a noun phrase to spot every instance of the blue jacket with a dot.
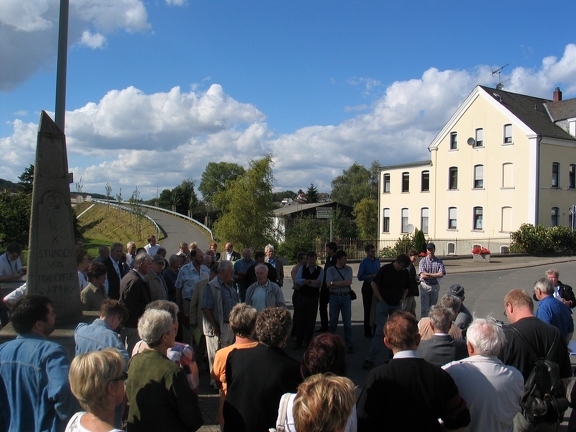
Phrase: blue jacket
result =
(556, 313)
(96, 337)
(34, 390)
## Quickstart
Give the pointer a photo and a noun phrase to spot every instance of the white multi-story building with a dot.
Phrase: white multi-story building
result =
(503, 159)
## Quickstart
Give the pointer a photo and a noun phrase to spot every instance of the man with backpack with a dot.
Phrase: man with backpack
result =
(536, 349)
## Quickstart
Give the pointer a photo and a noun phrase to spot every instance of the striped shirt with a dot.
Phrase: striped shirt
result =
(434, 265)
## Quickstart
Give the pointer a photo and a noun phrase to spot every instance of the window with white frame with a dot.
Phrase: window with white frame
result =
(478, 176)
(386, 183)
(404, 220)
(478, 214)
(386, 220)
(453, 141)
(479, 138)
(452, 218)
(451, 248)
(572, 177)
(555, 174)
(405, 182)
(425, 184)
(424, 212)
(555, 217)
(453, 178)
(508, 134)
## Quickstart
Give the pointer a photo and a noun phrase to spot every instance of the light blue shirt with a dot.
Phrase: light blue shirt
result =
(96, 337)
(188, 276)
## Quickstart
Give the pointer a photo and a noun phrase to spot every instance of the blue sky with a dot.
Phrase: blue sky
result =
(158, 89)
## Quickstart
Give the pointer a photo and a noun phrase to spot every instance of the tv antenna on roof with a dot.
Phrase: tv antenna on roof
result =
(498, 71)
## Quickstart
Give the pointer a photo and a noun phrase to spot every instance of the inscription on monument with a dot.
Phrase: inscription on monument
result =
(52, 256)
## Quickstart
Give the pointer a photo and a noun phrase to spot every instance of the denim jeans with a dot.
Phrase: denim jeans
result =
(344, 304)
(383, 311)
(428, 297)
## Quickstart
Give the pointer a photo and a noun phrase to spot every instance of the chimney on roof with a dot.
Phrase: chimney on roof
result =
(557, 95)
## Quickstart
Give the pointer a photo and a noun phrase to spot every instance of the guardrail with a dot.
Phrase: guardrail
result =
(158, 229)
(181, 216)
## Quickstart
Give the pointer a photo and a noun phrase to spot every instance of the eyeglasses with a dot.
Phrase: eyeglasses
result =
(122, 377)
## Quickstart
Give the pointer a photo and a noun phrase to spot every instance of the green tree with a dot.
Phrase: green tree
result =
(366, 218)
(312, 194)
(14, 218)
(342, 225)
(26, 180)
(215, 176)
(419, 241)
(247, 206)
(355, 184)
(301, 235)
(279, 196)
(184, 197)
(165, 199)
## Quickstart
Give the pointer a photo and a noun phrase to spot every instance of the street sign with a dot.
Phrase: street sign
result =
(324, 212)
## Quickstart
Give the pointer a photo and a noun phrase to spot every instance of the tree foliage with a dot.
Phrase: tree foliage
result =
(165, 199)
(14, 218)
(301, 235)
(26, 180)
(366, 218)
(355, 184)
(312, 194)
(279, 196)
(184, 197)
(215, 176)
(541, 240)
(419, 241)
(247, 206)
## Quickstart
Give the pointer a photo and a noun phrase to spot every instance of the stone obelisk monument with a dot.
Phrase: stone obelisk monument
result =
(52, 250)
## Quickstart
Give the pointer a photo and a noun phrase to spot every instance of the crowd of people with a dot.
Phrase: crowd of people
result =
(162, 320)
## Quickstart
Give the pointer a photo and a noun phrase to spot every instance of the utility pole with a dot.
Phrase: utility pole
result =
(61, 67)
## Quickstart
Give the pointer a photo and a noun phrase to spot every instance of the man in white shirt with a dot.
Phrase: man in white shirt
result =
(11, 269)
(152, 246)
(491, 389)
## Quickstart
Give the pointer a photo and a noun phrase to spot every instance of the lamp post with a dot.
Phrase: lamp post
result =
(61, 67)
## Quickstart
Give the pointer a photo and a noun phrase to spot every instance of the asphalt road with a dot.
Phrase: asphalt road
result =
(178, 230)
(484, 290)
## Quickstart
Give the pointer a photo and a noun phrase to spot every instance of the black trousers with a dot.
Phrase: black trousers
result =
(367, 294)
(305, 311)
(324, 300)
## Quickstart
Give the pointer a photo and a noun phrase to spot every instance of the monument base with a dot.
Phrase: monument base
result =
(63, 334)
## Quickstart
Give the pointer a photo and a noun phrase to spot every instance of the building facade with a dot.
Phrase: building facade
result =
(503, 159)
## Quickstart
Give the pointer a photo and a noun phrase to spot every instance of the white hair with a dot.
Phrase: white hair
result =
(486, 337)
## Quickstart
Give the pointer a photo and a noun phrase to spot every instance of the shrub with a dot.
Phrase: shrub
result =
(541, 240)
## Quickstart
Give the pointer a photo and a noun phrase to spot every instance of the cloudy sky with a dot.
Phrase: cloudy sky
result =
(157, 89)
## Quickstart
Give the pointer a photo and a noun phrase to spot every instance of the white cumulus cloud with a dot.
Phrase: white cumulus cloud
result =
(29, 31)
(131, 138)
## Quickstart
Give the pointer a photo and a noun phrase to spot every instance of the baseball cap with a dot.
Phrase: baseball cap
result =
(430, 246)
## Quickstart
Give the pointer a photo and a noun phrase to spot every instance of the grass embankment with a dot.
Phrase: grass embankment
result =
(103, 226)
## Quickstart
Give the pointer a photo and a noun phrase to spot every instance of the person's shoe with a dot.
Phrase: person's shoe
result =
(351, 350)
(367, 365)
(322, 330)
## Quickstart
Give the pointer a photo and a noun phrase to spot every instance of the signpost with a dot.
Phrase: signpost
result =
(325, 213)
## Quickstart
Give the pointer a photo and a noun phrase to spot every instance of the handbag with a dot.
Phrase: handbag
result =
(353, 295)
